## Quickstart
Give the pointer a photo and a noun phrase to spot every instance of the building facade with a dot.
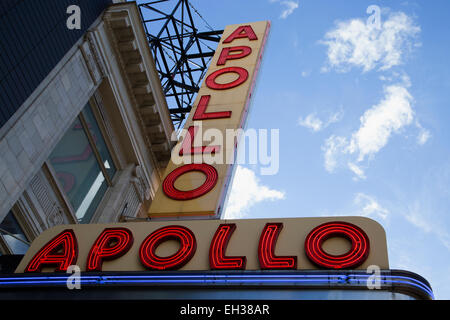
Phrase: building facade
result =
(85, 129)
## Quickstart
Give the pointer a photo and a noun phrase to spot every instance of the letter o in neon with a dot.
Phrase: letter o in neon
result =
(172, 192)
(188, 246)
(211, 79)
(357, 254)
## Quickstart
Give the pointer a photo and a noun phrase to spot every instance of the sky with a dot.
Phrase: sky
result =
(359, 92)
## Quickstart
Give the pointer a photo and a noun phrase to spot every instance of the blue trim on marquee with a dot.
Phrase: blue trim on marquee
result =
(209, 279)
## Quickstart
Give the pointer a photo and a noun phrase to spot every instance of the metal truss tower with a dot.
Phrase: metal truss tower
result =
(182, 53)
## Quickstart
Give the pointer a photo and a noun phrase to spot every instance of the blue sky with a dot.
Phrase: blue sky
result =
(362, 111)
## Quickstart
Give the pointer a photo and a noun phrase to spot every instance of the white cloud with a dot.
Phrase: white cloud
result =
(379, 122)
(305, 74)
(424, 134)
(357, 171)
(247, 191)
(289, 7)
(354, 43)
(369, 206)
(426, 205)
(395, 76)
(311, 121)
(428, 222)
(423, 137)
(366, 206)
(377, 125)
(334, 147)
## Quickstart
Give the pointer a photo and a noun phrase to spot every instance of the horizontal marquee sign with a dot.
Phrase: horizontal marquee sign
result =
(253, 244)
(193, 187)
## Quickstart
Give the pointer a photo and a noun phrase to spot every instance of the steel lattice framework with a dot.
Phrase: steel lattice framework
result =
(182, 53)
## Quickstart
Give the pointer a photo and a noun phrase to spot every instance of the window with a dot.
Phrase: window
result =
(83, 165)
(12, 235)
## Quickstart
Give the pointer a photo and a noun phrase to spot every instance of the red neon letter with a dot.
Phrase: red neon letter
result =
(188, 144)
(172, 192)
(225, 55)
(219, 243)
(242, 32)
(353, 258)
(183, 235)
(211, 79)
(60, 252)
(110, 244)
(201, 114)
(266, 249)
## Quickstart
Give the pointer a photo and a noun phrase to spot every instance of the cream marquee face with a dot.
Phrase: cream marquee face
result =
(195, 188)
(253, 244)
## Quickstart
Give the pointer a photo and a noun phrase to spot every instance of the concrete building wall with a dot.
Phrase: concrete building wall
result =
(44, 118)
